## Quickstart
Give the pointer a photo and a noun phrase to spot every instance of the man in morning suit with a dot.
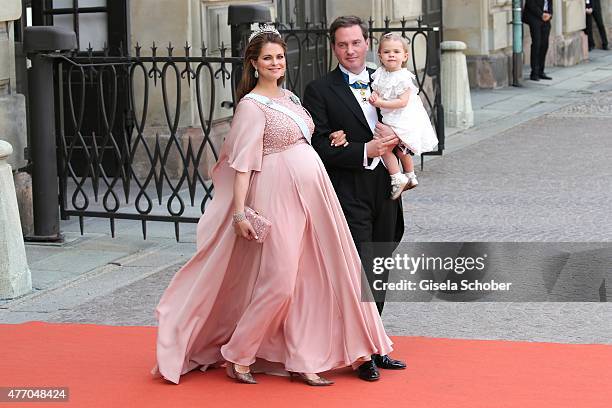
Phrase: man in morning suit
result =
(593, 12)
(537, 14)
(338, 103)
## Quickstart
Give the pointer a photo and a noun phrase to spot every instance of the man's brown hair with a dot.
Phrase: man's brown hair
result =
(347, 21)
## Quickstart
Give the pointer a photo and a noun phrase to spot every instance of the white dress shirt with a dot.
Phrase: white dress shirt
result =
(369, 111)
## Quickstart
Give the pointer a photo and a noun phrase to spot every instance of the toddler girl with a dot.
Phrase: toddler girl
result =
(396, 95)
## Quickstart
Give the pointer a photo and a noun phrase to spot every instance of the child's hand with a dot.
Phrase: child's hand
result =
(375, 100)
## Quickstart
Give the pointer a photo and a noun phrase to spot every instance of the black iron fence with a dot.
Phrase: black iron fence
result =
(127, 152)
(135, 132)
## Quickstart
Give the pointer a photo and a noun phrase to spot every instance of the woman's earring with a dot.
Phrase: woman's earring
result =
(256, 73)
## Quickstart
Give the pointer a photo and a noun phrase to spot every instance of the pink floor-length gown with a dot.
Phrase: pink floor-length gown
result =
(294, 300)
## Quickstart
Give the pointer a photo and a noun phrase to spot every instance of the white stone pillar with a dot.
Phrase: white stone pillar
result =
(15, 276)
(456, 97)
(12, 104)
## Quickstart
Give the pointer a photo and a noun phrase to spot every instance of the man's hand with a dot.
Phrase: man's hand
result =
(546, 17)
(338, 138)
(384, 141)
(589, 11)
(381, 131)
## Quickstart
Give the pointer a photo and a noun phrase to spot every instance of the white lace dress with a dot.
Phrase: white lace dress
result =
(411, 123)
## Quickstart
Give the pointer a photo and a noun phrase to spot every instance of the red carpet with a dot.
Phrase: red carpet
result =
(108, 366)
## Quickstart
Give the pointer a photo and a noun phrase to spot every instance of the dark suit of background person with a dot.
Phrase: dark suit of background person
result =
(363, 194)
(595, 6)
(533, 15)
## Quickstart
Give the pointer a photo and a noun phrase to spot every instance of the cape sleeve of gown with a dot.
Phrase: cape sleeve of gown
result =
(244, 141)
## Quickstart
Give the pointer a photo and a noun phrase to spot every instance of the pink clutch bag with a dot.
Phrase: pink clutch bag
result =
(260, 224)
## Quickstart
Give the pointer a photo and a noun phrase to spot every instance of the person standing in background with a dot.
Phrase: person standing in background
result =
(593, 11)
(537, 15)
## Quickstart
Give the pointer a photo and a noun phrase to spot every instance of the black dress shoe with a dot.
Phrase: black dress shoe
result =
(544, 76)
(534, 77)
(605, 48)
(368, 371)
(387, 362)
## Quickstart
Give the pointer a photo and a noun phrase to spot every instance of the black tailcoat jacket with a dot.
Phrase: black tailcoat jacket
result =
(363, 194)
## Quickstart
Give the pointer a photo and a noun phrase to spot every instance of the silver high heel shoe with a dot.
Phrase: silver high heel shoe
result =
(246, 378)
(316, 382)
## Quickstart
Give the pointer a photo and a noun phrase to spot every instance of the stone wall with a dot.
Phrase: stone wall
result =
(12, 105)
(487, 32)
(13, 128)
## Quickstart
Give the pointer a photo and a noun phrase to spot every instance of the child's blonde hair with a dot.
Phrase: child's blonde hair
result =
(395, 37)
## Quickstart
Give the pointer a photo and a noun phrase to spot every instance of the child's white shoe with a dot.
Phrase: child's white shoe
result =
(398, 184)
(412, 181)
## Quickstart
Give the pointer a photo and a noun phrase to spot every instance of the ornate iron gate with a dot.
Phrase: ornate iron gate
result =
(154, 174)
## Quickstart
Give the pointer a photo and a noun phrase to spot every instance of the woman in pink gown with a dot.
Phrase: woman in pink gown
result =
(293, 300)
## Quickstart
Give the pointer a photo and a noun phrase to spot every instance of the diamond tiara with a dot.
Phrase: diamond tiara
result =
(266, 28)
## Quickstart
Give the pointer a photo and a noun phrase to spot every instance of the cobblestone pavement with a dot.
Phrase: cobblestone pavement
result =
(547, 179)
